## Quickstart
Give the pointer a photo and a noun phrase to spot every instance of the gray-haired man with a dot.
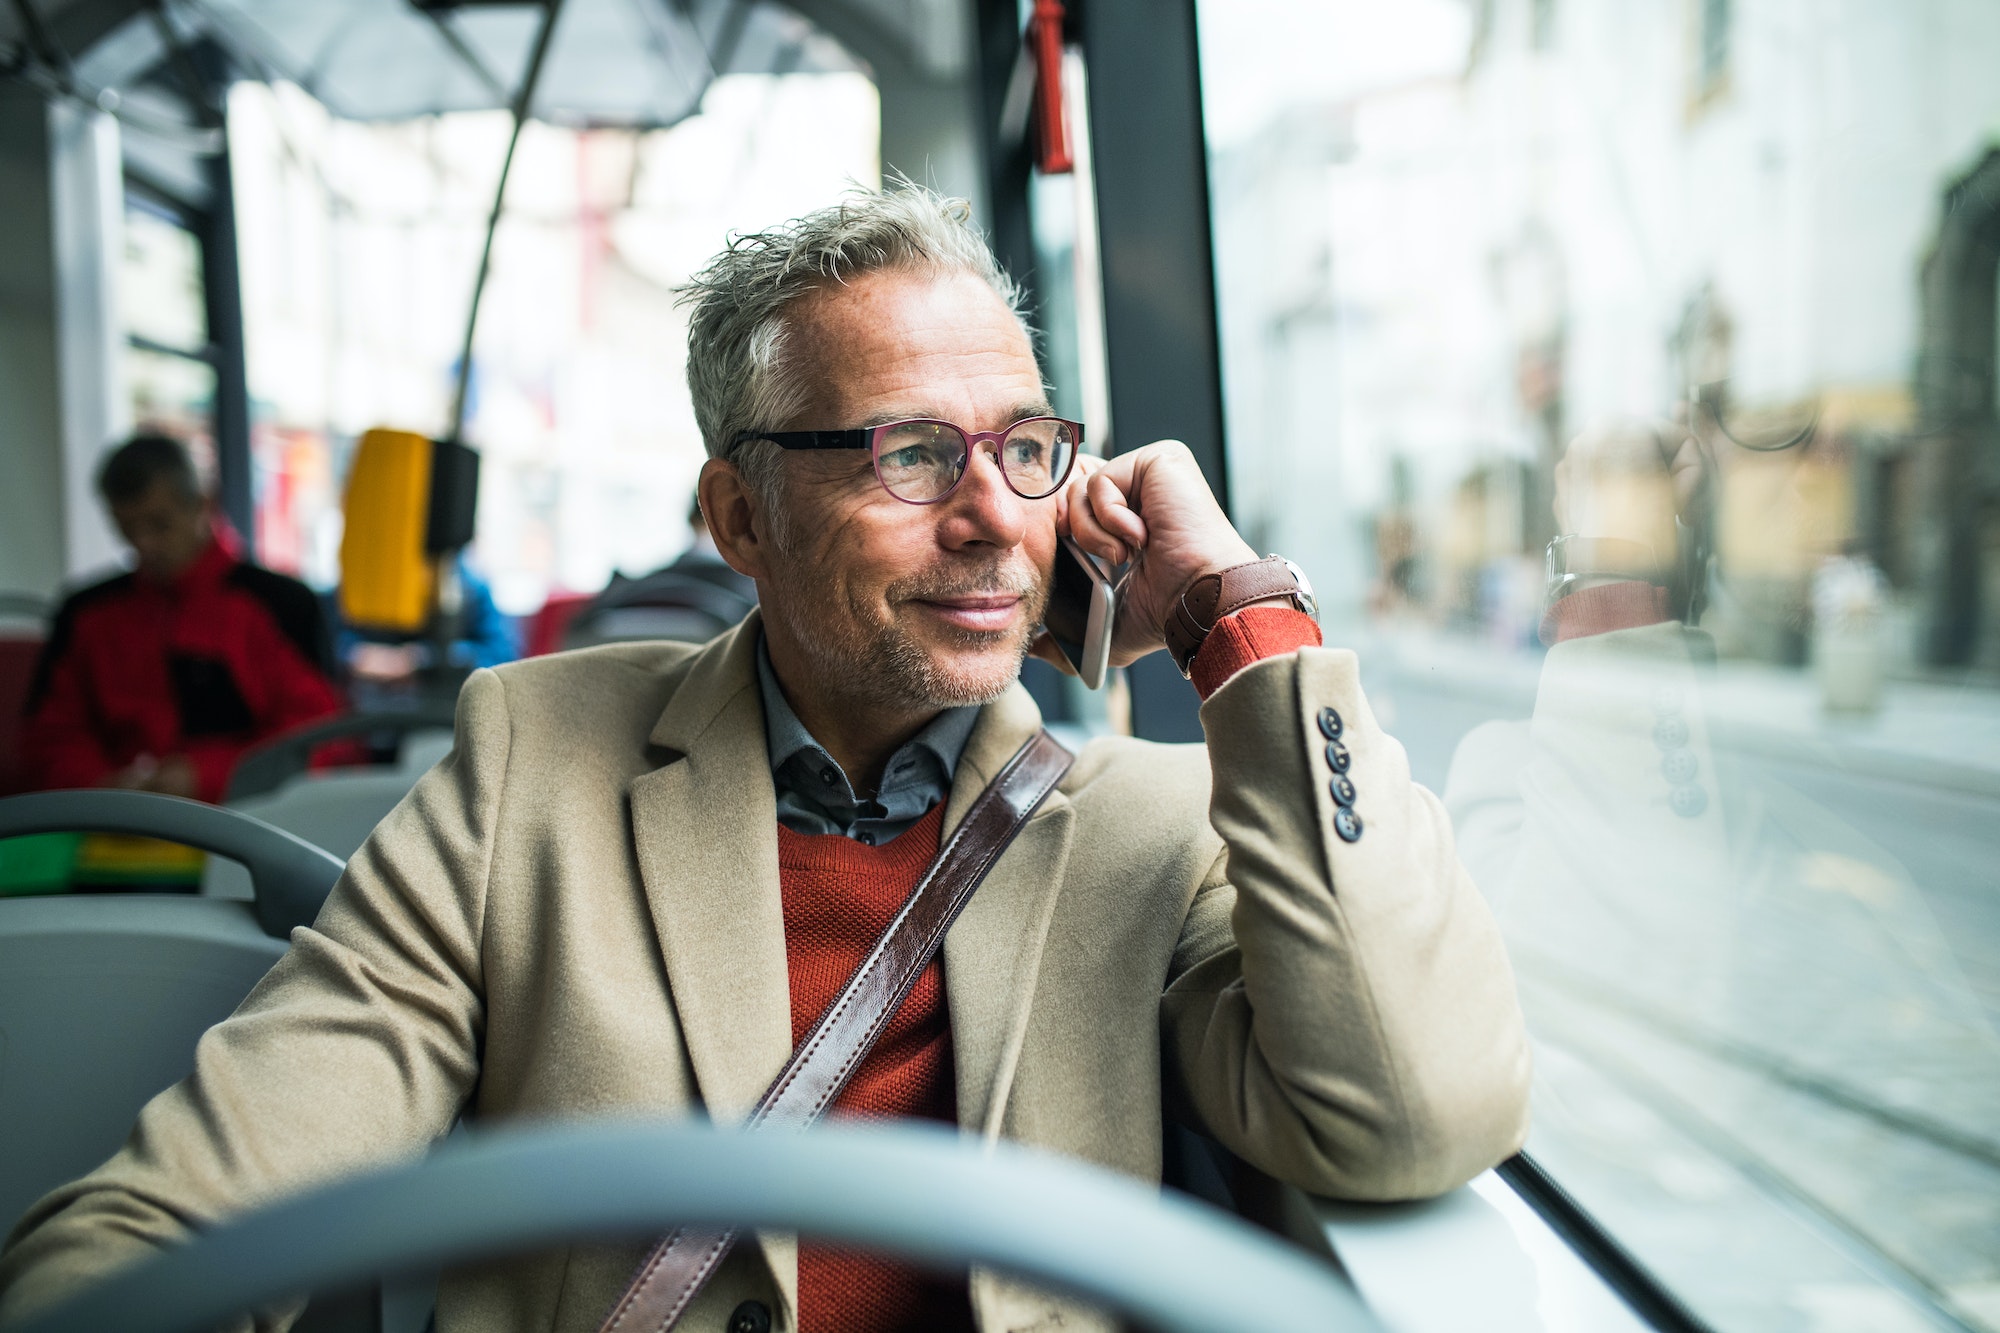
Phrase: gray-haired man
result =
(645, 868)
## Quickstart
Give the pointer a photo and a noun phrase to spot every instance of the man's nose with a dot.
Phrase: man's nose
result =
(983, 508)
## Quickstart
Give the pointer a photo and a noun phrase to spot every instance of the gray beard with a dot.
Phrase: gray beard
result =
(888, 667)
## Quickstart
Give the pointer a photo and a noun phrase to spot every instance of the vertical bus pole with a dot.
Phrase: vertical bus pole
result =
(1150, 161)
(524, 98)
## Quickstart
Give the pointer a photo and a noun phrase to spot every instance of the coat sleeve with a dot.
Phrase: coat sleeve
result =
(358, 1048)
(59, 741)
(1340, 1013)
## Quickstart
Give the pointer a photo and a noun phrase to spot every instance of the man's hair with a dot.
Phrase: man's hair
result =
(132, 469)
(740, 370)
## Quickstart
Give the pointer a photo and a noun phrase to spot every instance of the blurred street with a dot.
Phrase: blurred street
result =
(1827, 1190)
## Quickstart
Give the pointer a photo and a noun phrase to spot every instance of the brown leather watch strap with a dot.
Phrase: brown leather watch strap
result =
(1213, 596)
(681, 1264)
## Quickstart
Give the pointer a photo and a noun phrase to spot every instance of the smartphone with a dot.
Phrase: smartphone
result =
(1083, 608)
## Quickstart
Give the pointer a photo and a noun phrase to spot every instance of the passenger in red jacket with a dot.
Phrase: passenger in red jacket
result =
(159, 679)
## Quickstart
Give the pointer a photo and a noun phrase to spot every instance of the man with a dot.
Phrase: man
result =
(646, 867)
(160, 678)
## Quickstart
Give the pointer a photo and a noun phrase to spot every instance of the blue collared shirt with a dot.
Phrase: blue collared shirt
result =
(815, 796)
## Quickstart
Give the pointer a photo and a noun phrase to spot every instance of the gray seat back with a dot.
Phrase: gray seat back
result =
(102, 999)
(290, 876)
(335, 810)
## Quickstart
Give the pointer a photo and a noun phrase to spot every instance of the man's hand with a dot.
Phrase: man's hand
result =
(1151, 506)
(136, 775)
(174, 777)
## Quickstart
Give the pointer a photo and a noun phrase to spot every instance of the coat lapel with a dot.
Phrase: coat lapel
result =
(993, 954)
(705, 824)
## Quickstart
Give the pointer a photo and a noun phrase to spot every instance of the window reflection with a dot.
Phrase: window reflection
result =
(1702, 288)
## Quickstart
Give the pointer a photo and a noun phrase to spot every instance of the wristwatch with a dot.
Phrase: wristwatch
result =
(1571, 559)
(1213, 596)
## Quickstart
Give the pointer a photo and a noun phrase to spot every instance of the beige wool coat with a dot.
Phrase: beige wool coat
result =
(577, 914)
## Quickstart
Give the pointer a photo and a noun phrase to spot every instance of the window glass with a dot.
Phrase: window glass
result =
(359, 242)
(168, 382)
(1624, 375)
(159, 287)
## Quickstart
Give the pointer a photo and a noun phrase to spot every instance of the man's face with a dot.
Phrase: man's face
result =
(165, 529)
(910, 606)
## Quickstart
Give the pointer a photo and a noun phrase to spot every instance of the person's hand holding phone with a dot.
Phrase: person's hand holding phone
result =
(1151, 506)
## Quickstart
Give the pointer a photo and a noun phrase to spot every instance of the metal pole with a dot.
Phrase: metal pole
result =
(523, 98)
(1150, 163)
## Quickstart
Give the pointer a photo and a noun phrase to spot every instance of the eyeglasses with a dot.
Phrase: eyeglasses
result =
(920, 462)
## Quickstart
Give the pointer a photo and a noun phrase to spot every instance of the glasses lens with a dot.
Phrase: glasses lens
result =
(1038, 454)
(919, 460)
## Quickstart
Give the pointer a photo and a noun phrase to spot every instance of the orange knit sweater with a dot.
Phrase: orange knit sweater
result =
(839, 897)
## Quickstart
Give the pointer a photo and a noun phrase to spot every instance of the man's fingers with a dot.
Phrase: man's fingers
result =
(1112, 511)
(1689, 469)
(1091, 534)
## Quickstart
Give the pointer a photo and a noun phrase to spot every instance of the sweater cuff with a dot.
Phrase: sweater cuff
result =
(1627, 604)
(1248, 637)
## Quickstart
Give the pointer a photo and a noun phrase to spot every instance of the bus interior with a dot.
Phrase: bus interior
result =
(1452, 301)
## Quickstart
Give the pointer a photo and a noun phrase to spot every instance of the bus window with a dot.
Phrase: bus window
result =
(1629, 371)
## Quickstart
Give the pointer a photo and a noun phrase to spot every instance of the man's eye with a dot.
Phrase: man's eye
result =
(910, 456)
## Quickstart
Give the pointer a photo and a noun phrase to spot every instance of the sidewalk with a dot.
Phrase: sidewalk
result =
(1928, 734)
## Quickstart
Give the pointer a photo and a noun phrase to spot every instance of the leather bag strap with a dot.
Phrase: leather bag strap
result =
(681, 1264)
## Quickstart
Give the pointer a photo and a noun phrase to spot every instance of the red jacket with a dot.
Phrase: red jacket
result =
(225, 656)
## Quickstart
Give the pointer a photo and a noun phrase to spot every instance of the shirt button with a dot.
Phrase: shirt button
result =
(1347, 824)
(1670, 733)
(1330, 725)
(865, 839)
(827, 775)
(1337, 757)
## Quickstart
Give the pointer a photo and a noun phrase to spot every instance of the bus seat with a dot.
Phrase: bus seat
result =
(103, 998)
(666, 604)
(289, 876)
(269, 766)
(336, 810)
(101, 1003)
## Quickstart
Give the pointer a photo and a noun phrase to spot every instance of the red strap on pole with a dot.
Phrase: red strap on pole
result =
(1045, 44)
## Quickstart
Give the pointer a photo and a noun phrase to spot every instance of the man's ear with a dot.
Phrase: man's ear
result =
(736, 521)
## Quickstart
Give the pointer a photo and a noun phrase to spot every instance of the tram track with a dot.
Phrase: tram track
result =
(1834, 1224)
(1768, 1064)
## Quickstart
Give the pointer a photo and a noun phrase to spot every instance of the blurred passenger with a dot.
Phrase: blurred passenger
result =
(647, 869)
(691, 599)
(158, 679)
(703, 559)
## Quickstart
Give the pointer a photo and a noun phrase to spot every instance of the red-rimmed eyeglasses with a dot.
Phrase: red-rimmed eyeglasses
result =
(921, 461)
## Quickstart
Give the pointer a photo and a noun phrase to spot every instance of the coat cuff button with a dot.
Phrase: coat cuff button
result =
(1330, 725)
(1347, 824)
(750, 1317)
